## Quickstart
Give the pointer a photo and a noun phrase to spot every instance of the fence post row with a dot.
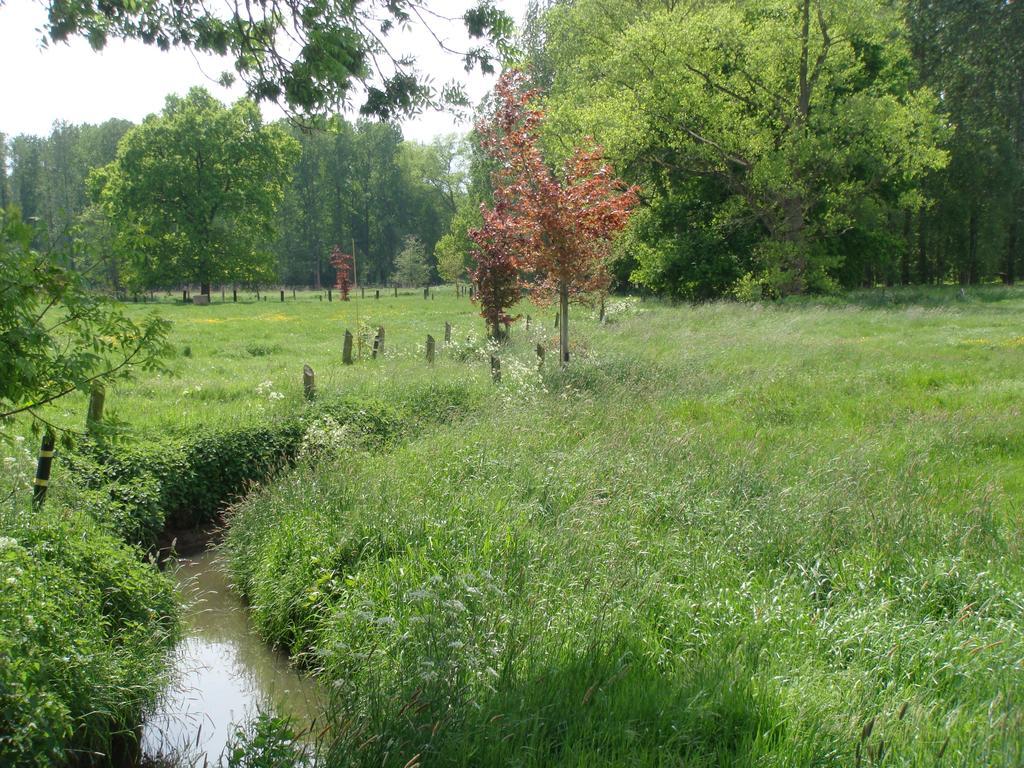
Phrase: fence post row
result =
(43, 465)
(308, 382)
(97, 397)
(346, 353)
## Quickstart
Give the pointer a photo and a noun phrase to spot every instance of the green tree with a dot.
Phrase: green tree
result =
(307, 56)
(411, 266)
(454, 251)
(195, 190)
(972, 51)
(56, 336)
(789, 128)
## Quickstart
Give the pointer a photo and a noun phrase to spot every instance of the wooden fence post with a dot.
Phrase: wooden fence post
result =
(376, 293)
(380, 338)
(43, 465)
(96, 399)
(557, 317)
(527, 322)
(346, 353)
(234, 295)
(430, 349)
(396, 290)
(184, 296)
(329, 295)
(496, 369)
(362, 292)
(426, 293)
(447, 332)
(600, 319)
(282, 294)
(308, 382)
(540, 357)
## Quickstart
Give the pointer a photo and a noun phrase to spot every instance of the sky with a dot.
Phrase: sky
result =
(129, 80)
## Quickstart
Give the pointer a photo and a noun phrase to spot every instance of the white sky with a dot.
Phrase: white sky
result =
(130, 80)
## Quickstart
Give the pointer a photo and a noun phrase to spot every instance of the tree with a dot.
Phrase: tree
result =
(306, 56)
(411, 266)
(785, 133)
(562, 222)
(454, 250)
(194, 191)
(342, 263)
(971, 52)
(497, 271)
(56, 336)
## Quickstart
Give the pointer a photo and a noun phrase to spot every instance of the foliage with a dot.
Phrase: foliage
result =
(970, 52)
(624, 570)
(786, 133)
(266, 741)
(342, 263)
(497, 272)
(454, 249)
(559, 224)
(185, 482)
(411, 265)
(305, 57)
(85, 633)
(194, 191)
(56, 336)
(362, 184)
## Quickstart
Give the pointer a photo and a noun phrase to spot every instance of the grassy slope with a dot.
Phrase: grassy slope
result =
(728, 535)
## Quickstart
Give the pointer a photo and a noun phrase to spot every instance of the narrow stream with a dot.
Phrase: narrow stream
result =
(224, 673)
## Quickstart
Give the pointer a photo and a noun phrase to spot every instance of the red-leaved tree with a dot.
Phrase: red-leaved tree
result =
(555, 226)
(497, 270)
(342, 263)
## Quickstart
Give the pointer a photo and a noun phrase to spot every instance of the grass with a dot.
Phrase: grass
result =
(772, 535)
(727, 535)
(242, 363)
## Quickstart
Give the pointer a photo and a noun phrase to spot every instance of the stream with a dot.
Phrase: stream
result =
(224, 673)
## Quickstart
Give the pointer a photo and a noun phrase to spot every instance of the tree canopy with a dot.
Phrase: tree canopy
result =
(306, 56)
(773, 138)
(194, 191)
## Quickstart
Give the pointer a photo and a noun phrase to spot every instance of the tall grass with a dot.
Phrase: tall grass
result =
(728, 534)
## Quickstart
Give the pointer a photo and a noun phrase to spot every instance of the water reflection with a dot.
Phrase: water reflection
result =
(224, 673)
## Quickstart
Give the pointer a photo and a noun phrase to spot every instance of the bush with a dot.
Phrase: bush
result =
(85, 632)
(189, 481)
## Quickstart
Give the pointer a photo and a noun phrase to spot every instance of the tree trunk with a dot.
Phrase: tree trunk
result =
(563, 326)
(204, 289)
(907, 249)
(972, 248)
(922, 253)
(1012, 240)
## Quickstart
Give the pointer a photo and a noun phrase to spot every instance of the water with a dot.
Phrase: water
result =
(224, 673)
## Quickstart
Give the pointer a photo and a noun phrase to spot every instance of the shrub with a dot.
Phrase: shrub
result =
(85, 632)
(191, 480)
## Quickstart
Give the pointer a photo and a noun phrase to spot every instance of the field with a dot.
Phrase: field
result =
(725, 535)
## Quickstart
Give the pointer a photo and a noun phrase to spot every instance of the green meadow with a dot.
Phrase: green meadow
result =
(726, 534)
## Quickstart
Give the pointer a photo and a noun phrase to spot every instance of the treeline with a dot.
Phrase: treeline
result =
(788, 146)
(350, 184)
